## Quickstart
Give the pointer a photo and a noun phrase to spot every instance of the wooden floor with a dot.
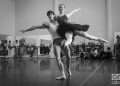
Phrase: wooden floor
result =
(43, 71)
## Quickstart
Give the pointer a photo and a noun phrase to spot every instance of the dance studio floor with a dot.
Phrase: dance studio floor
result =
(43, 71)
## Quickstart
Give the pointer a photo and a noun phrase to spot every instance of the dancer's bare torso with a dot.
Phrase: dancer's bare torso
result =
(52, 28)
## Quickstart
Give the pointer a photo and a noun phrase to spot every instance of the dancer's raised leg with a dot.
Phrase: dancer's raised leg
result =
(90, 37)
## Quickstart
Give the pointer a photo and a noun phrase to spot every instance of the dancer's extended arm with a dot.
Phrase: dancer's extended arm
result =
(72, 12)
(35, 27)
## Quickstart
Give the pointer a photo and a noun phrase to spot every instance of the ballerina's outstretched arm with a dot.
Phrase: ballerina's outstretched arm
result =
(72, 12)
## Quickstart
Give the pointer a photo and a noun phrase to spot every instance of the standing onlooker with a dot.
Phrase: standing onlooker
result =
(16, 46)
(10, 49)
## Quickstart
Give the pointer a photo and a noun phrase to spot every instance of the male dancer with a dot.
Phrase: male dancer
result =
(58, 42)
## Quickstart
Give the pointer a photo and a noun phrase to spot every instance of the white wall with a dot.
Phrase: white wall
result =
(7, 17)
(115, 16)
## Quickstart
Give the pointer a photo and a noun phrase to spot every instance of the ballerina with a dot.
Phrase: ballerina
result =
(77, 29)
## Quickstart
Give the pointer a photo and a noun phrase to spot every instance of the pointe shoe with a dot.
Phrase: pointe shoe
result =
(104, 41)
(61, 78)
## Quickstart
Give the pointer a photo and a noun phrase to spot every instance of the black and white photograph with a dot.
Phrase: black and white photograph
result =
(59, 42)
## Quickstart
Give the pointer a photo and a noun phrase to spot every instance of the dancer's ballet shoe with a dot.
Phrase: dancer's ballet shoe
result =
(104, 41)
(61, 78)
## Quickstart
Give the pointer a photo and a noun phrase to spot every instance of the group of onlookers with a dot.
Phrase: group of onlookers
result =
(92, 51)
(15, 49)
(19, 48)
